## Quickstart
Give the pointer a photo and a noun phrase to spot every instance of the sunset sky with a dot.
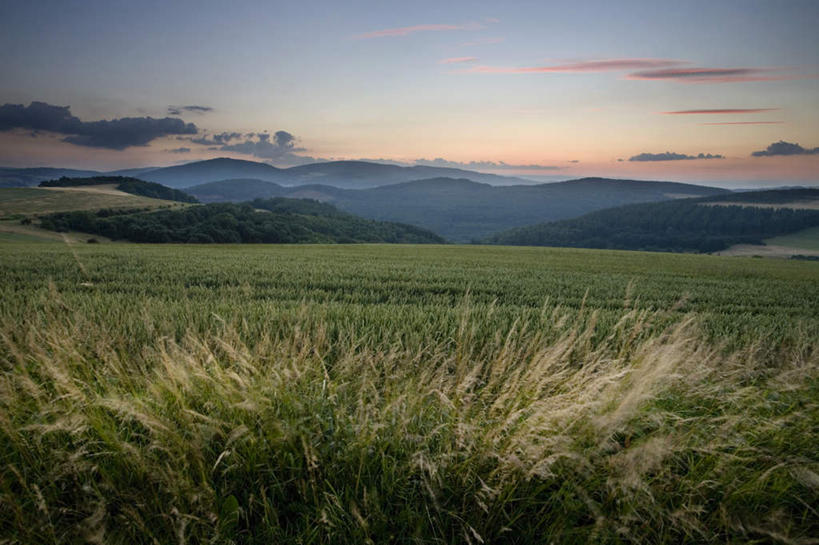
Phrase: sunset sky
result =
(678, 90)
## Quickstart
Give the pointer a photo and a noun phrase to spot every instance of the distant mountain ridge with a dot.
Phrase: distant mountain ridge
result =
(460, 209)
(344, 174)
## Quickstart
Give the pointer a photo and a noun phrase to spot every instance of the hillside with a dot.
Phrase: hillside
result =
(262, 221)
(691, 225)
(211, 170)
(236, 190)
(463, 210)
(30, 201)
(125, 184)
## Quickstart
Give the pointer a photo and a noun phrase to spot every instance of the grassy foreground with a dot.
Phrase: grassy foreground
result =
(405, 394)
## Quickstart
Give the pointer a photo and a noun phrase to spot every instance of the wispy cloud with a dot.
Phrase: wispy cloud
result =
(718, 75)
(671, 156)
(457, 60)
(745, 123)
(785, 148)
(407, 30)
(723, 111)
(604, 65)
(654, 70)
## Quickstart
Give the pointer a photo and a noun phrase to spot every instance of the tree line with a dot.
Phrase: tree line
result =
(676, 226)
(277, 220)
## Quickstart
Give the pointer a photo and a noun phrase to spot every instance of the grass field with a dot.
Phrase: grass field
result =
(807, 239)
(35, 201)
(411, 394)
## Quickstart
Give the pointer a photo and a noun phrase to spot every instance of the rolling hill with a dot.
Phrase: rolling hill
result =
(236, 190)
(261, 221)
(30, 201)
(345, 174)
(342, 174)
(125, 184)
(463, 210)
(707, 224)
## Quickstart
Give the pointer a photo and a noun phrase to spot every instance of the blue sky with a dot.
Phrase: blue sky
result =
(571, 87)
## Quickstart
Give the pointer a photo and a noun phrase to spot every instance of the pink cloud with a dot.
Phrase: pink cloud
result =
(605, 65)
(457, 60)
(407, 30)
(717, 75)
(746, 123)
(723, 111)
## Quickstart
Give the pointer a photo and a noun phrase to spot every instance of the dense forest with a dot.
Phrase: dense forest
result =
(262, 221)
(687, 225)
(125, 184)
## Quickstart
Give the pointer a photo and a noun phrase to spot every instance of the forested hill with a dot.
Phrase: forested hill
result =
(463, 210)
(125, 184)
(690, 225)
(261, 221)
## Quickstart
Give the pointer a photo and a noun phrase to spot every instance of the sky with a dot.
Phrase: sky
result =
(724, 92)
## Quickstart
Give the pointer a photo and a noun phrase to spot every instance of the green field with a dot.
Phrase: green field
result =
(409, 394)
(34, 201)
(807, 239)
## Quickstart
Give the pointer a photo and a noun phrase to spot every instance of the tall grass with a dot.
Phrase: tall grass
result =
(548, 430)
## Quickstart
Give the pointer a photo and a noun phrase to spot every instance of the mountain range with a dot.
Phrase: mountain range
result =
(460, 209)
(344, 174)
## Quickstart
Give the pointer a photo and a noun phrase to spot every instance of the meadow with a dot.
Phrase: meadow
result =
(408, 394)
(27, 201)
(807, 239)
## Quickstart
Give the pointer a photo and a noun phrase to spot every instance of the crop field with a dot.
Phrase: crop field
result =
(407, 394)
(30, 201)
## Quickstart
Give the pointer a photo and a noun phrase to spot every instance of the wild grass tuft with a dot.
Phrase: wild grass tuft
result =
(548, 430)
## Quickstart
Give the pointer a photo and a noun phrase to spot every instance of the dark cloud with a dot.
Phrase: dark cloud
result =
(180, 150)
(481, 165)
(117, 134)
(785, 148)
(670, 156)
(219, 139)
(281, 148)
(179, 110)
